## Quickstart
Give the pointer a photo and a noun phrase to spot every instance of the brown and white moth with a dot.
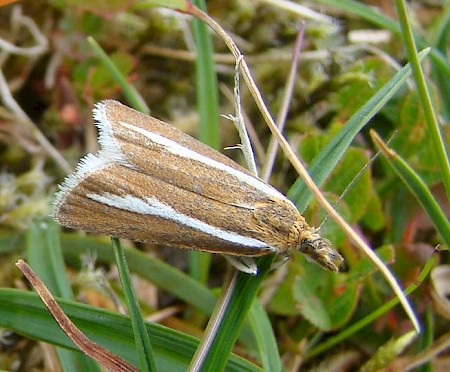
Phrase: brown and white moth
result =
(150, 182)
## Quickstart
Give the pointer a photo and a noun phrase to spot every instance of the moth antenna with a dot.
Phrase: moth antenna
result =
(353, 181)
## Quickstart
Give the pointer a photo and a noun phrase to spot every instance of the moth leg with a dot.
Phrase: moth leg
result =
(245, 264)
(281, 259)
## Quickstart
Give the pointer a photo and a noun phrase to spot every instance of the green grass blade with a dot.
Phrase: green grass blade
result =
(325, 162)
(128, 90)
(208, 109)
(366, 12)
(440, 41)
(438, 146)
(265, 338)
(24, 313)
(243, 294)
(206, 82)
(174, 4)
(388, 352)
(45, 257)
(143, 345)
(418, 188)
(426, 339)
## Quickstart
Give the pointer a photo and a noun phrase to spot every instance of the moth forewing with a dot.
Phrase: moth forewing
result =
(153, 183)
(175, 157)
(121, 202)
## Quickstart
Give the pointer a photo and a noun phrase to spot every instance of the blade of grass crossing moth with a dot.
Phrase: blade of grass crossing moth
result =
(300, 169)
(208, 109)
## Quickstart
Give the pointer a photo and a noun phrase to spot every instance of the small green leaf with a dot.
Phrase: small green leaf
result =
(283, 302)
(359, 84)
(373, 217)
(323, 298)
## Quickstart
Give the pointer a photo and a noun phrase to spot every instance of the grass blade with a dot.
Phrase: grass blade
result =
(128, 90)
(265, 338)
(24, 313)
(418, 188)
(45, 256)
(244, 289)
(143, 346)
(437, 142)
(208, 109)
(325, 162)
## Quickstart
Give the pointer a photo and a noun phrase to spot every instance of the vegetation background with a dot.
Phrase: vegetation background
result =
(51, 75)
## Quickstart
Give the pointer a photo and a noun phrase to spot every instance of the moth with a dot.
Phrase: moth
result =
(150, 182)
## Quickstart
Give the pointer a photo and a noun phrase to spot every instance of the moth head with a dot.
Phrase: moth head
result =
(319, 251)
